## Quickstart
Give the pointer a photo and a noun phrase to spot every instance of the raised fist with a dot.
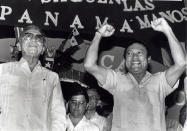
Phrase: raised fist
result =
(106, 30)
(160, 24)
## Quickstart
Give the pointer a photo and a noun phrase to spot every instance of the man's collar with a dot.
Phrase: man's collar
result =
(68, 116)
(23, 63)
(145, 78)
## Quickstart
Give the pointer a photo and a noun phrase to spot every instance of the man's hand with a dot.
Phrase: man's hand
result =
(106, 30)
(160, 24)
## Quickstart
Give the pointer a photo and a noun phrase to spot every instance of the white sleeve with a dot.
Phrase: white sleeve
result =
(58, 112)
(165, 86)
(111, 81)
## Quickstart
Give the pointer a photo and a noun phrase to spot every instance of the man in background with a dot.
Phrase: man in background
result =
(77, 105)
(103, 123)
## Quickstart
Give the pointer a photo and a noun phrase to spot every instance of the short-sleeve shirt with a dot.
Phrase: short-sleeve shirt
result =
(83, 125)
(100, 121)
(138, 106)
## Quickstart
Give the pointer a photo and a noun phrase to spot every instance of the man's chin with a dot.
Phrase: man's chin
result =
(135, 70)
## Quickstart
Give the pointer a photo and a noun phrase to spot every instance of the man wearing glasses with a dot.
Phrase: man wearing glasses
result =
(30, 95)
(77, 105)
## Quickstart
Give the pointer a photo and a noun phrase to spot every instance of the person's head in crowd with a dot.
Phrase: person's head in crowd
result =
(180, 98)
(94, 98)
(78, 101)
(32, 42)
(137, 57)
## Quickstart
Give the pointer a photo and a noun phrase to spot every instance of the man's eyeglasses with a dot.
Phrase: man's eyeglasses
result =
(38, 37)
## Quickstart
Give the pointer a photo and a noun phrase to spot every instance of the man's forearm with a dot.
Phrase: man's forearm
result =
(176, 48)
(92, 53)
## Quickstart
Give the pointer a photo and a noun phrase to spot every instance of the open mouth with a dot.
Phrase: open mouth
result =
(136, 63)
(33, 49)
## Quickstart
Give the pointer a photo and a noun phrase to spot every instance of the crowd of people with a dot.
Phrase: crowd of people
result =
(31, 97)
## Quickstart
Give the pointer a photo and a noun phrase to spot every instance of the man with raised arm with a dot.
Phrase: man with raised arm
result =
(139, 96)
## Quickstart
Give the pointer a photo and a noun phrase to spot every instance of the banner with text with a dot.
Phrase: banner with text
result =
(127, 16)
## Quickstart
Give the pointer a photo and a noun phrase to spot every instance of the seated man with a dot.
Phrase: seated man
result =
(103, 123)
(76, 119)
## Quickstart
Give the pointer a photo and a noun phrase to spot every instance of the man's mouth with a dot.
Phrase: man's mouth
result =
(33, 49)
(136, 63)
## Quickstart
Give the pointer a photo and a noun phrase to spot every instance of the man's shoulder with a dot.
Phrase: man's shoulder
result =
(158, 74)
(9, 64)
(91, 125)
(50, 72)
(120, 73)
(100, 116)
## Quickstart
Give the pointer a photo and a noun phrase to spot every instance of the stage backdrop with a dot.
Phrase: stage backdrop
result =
(129, 17)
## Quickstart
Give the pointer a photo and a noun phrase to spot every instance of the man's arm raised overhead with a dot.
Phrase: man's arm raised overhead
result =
(175, 71)
(90, 62)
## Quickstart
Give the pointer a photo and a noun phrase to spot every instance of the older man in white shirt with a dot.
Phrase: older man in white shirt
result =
(30, 95)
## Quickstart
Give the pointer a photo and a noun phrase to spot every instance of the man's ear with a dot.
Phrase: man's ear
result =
(149, 59)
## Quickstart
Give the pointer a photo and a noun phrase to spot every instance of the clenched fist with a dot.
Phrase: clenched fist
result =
(160, 24)
(106, 30)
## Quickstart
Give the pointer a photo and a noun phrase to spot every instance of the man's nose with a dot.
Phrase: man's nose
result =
(135, 56)
(33, 42)
(77, 105)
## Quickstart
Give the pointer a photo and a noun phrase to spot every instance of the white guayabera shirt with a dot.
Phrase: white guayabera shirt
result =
(83, 125)
(30, 101)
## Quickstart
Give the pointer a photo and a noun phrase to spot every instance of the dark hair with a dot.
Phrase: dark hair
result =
(139, 42)
(78, 90)
(94, 89)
